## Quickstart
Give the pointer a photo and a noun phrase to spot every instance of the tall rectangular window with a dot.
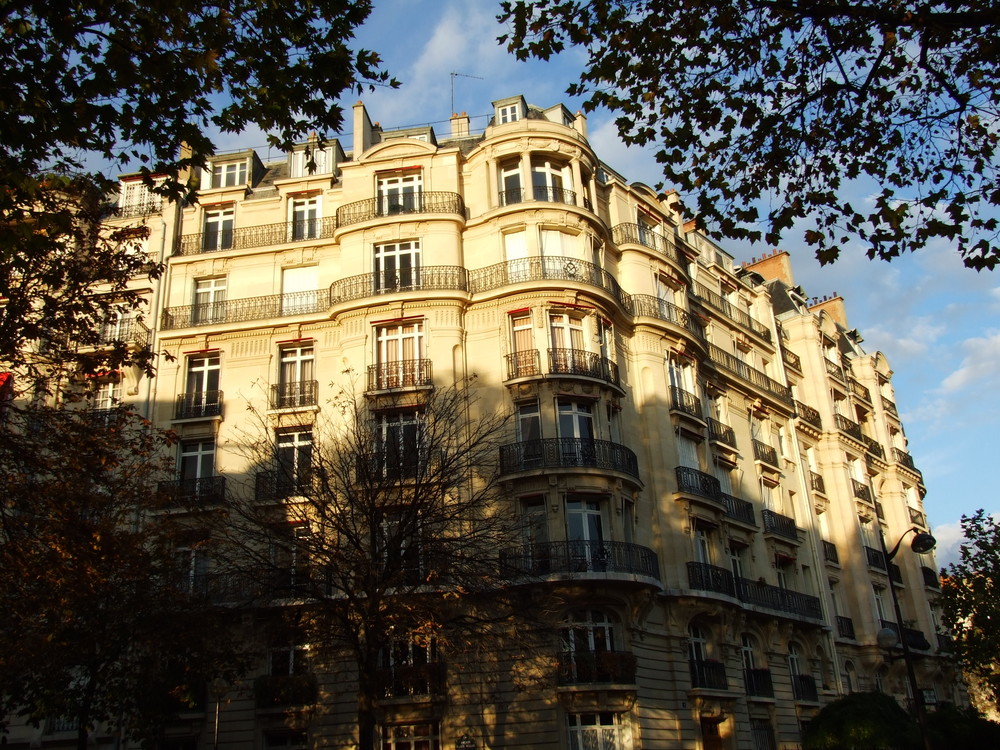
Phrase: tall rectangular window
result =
(398, 444)
(524, 356)
(604, 730)
(399, 192)
(218, 229)
(209, 300)
(397, 266)
(411, 737)
(296, 377)
(576, 434)
(399, 354)
(566, 331)
(294, 450)
(305, 218)
(197, 460)
(547, 180)
(510, 183)
(202, 397)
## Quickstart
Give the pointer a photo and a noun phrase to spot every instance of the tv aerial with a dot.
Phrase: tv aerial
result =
(453, 77)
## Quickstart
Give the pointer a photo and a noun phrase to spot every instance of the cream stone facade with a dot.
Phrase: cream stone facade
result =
(703, 457)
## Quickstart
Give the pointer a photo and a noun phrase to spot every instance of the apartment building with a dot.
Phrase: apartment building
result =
(704, 461)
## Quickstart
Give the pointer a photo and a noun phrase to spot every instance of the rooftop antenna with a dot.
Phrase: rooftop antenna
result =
(453, 76)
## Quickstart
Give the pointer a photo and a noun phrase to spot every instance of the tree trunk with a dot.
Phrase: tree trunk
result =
(367, 695)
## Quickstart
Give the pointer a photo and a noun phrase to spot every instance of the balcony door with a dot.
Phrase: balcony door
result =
(209, 300)
(305, 218)
(585, 534)
(576, 434)
(399, 350)
(201, 392)
(296, 378)
(397, 266)
(569, 354)
(399, 192)
(299, 290)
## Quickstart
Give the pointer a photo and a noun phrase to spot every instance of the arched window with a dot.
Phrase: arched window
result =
(705, 671)
(850, 677)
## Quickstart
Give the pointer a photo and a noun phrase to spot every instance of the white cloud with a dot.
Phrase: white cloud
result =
(903, 337)
(949, 539)
(981, 366)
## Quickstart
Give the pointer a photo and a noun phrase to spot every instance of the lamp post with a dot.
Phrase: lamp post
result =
(921, 543)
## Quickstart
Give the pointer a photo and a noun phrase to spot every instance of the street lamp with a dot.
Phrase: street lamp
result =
(886, 638)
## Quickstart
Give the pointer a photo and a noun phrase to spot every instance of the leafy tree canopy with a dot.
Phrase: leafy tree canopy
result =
(872, 120)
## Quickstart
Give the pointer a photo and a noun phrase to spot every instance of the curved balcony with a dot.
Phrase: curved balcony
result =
(423, 278)
(597, 668)
(552, 267)
(424, 202)
(567, 453)
(637, 234)
(262, 235)
(580, 556)
(653, 307)
(541, 193)
(581, 362)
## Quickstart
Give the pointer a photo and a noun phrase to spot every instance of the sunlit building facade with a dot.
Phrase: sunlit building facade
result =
(702, 459)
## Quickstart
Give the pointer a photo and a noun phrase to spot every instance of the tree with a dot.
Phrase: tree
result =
(101, 623)
(384, 525)
(870, 120)
(92, 87)
(970, 601)
(862, 721)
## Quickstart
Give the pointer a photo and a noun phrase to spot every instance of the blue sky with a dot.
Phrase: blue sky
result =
(937, 322)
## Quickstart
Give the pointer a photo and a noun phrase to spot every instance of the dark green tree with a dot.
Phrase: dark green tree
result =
(862, 721)
(873, 121)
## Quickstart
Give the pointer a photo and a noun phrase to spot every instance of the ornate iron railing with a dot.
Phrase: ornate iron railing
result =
(845, 627)
(872, 445)
(559, 268)
(777, 598)
(654, 307)
(538, 193)
(424, 278)
(246, 309)
(272, 485)
(889, 406)
(562, 453)
(816, 482)
(895, 573)
(296, 394)
(722, 433)
(808, 414)
(743, 319)
(875, 558)
(580, 556)
(404, 373)
(423, 202)
(904, 458)
(597, 667)
(708, 674)
(523, 364)
(740, 510)
(139, 208)
(637, 234)
(193, 492)
(582, 362)
(804, 688)
(200, 405)
(262, 235)
(751, 375)
(859, 390)
(775, 523)
(685, 402)
(758, 683)
(705, 577)
(832, 368)
(917, 517)
(408, 680)
(129, 331)
(791, 359)
(914, 638)
(848, 426)
(698, 482)
(861, 491)
(830, 553)
(764, 452)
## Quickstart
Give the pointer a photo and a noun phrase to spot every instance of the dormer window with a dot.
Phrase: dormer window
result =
(508, 113)
(229, 175)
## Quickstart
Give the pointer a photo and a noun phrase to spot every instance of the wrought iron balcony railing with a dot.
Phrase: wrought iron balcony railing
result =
(895, 573)
(859, 390)
(280, 691)
(722, 433)
(423, 202)
(563, 453)
(872, 446)
(904, 458)
(201, 405)
(411, 680)
(637, 234)
(861, 491)
(246, 309)
(791, 359)
(685, 402)
(775, 523)
(778, 598)
(580, 556)
(197, 492)
(845, 627)
(597, 667)
(551, 267)
(918, 518)
(262, 235)
(538, 193)
(399, 375)
(816, 482)
(804, 688)
(930, 577)
(848, 426)
(832, 368)
(523, 364)
(581, 362)
(830, 552)
(294, 395)
(889, 406)
(698, 482)
(152, 205)
(271, 485)
(720, 303)
(653, 307)
(740, 510)
(764, 452)
(708, 674)
(705, 577)
(749, 374)
(875, 558)
(423, 278)
(808, 414)
(129, 331)
(758, 683)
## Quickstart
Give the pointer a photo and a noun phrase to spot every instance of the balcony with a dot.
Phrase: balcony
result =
(399, 375)
(832, 368)
(411, 680)
(567, 453)
(294, 395)
(861, 491)
(777, 598)
(895, 573)
(637, 234)
(775, 523)
(859, 390)
(555, 268)
(695, 482)
(708, 674)
(875, 558)
(201, 405)
(271, 486)
(128, 331)
(745, 372)
(513, 196)
(705, 577)
(918, 518)
(262, 235)
(737, 509)
(284, 691)
(914, 638)
(765, 453)
(845, 627)
(848, 426)
(930, 577)
(580, 556)
(597, 668)
(721, 433)
(422, 279)
(423, 202)
(809, 415)
(684, 402)
(581, 362)
(903, 458)
(830, 552)
(758, 683)
(889, 406)
(523, 364)
(201, 491)
(872, 446)
(654, 307)
(741, 318)
(246, 309)
(791, 359)
(804, 688)
(816, 482)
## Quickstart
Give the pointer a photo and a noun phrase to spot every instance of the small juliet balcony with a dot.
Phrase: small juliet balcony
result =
(845, 628)
(523, 364)
(200, 405)
(685, 403)
(804, 688)
(294, 395)
(568, 453)
(187, 493)
(597, 668)
(861, 491)
(914, 638)
(273, 485)
(708, 674)
(848, 426)
(809, 415)
(285, 691)
(131, 332)
(830, 553)
(903, 458)
(779, 525)
(584, 363)
(765, 453)
(421, 202)
(721, 433)
(568, 558)
(403, 374)
(875, 558)
(758, 683)
(412, 680)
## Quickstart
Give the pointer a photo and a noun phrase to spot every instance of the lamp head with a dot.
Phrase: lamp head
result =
(886, 638)
(923, 543)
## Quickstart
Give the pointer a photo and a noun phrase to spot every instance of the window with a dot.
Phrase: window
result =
(586, 635)
(218, 229)
(397, 266)
(305, 218)
(566, 334)
(400, 548)
(399, 355)
(524, 356)
(229, 175)
(290, 561)
(322, 161)
(515, 245)
(604, 730)
(409, 667)
(191, 568)
(557, 244)
(293, 450)
(576, 433)
(762, 735)
(209, 300)
(534, 516)
(584, 524)
(411, 737)
(285, 661)
(510, 183)
(508, 113)
(748, 652)
(703, 544)
(108, 395)
(399, 192)
(851, 677)
(398, 438)
(794, 660)
(547, 180)
(687, 452)
(296, 377)
(202, 397)
(529, 423)
(737, 555)
(197, 460)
